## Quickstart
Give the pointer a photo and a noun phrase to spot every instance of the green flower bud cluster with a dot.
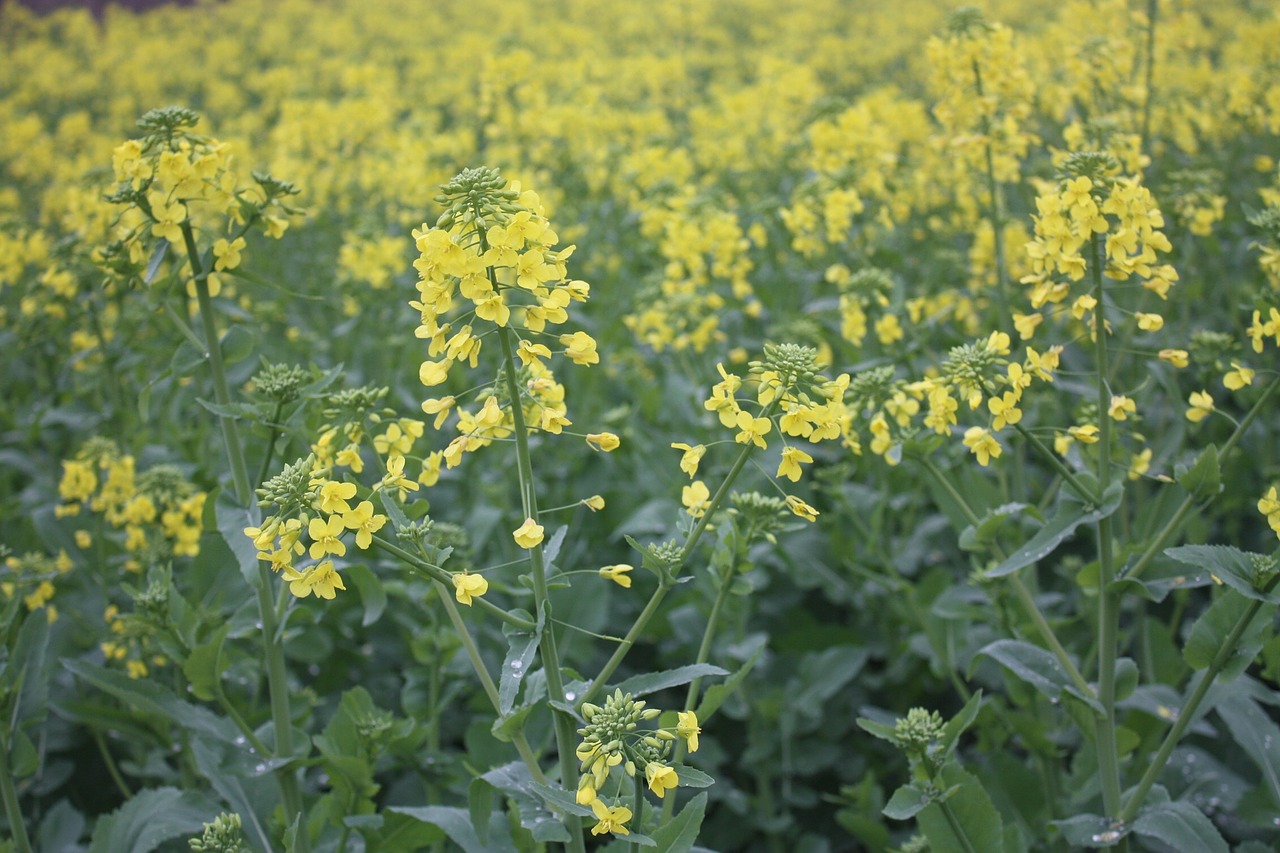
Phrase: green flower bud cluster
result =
(356, 404)
(415, 531)
(967, 22)
(1099, 167)
(870, 282)
(275, 188)
(619, 714)
(609, 738)
(280, 383)
(293, 487)
(224, 835)
(167, 120)
(165, 485)
(761, 516)
(666, 558)
(974, 367)
(476, 196)
(871, 389)
(1265, 568)
(795, 365)
(918, 730)
(1267, 220)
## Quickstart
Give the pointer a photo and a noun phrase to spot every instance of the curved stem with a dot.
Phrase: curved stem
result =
(12, 809)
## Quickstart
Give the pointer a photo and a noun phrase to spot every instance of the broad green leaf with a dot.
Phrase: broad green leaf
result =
(1229, 566)
(715, 695)
(880, 730)
(201, 666)
(514, 780)
(157, 258)
(906, 803)
(148, 697)
(957, 725)
(551, 550)
(1204, 478)
(27, 671)
(250, 796)
(372, 594)
(1211, 630)
(1257, 735)
(1180, 826)
(1069, 516)
(974, 814)
(691, 777)
(456, 823)
(232, 521)
(978, 537)
(651, 682)
(679, 835)
(1089, 831)
(150, 818)
(236, 344)
(1036, 667)
(231, 410)
(522, 646)
(60, 830)
(480, 807)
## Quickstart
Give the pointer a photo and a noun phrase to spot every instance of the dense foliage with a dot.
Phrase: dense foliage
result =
(700, 426)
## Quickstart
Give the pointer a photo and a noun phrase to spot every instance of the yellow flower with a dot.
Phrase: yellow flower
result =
(696, 497)
(580, 348)
(595, 503)
(1087, 434)
(692, 456)
(1238, 377)
(660, 778)
(1026, 324)
(1201, 405)
(752, 430)
(802, 509)
(227, 254)
(610, 819)
(789, 467)
(603, 441)
(1176, 357)
(617, 574)
(529, 534)
(687, 728)
(982, 444)
(364, 522)
(325, 580)
(324, 537)
(467, 586)
(1150, 322)
(1120, 408)
(334, 496)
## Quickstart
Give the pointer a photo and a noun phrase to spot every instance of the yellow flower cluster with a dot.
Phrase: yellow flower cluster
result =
(31, 576)
(159, 510)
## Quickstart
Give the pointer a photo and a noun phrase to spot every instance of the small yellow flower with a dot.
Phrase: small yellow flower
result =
(467, 586)
(1087, 434)
(692, 456)
(660, 778)
(1150, 322)
(603, 441)
(789, 467)
(595, 503)
(1238, 377)
(695, 497)
(617, 574)
(1176, 357)
(1201, 405)
(687, 728)
(610, 819)
(528, 535)
(802, 509)
(982, 444)
(1120, 408)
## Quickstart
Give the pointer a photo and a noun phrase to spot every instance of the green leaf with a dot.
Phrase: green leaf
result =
(980, 536)
(522, 646)
(651, 682)
(27, 671)
(148, 697)
(1257, 735)
(1211, 630)
(906, 803)
(1089, 831)
(236, 344)
(1071, 513)
(715, 695)
(201, 666)
(1180, 826)
(1036, 667)
(372, 594)
(974, 814)
(231, 410)
(514, 780)
(480, 807)
(149, 819)
(232, 521)
(957, 725)
(1204, 478)
(691, 777)
(157, 258)
(221, 765)
(679, 835)
(1230, 566)
(456, 823)
(880, 730)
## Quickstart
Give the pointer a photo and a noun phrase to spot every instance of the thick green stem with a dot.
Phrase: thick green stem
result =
(1186, 713)
(564, 730)
(12, 809)
(1057, 464)
(1108, 598)
(690, 542)
(271, 445)
(956, 827)
(272, 646)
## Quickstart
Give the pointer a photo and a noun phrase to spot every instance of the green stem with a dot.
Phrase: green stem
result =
(1188, 503)
(993, 191)
(486, 681)
(1108, 598)
(1187, 712)
(956, 827)
(436, 573)
(1058, 465)
(272, 646)
(271, 444)
(1152, 8)
(660, 593)
(564, 729)
(638, 812)
(112, 770)
(12, 809)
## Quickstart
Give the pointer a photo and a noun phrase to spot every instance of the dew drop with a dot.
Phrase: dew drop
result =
(570, 696)
(239, 741)
(516, 666)
(1191, 758)
(260, 768)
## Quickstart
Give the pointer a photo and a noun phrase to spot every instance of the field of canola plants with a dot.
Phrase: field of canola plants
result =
(689, 426)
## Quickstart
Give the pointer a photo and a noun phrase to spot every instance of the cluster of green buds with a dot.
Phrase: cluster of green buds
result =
(294, 488)
(224, 835)
(612, 737)
(478, 196)
(280, 383)
(758, 516)
(973, 369)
